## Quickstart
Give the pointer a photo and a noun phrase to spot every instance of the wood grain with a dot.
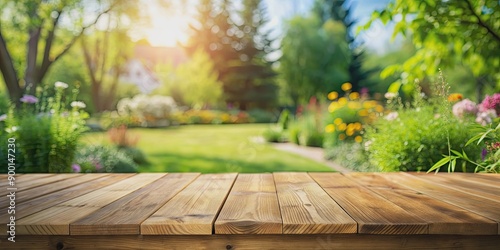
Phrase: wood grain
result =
(125, 215)
(307, 209)
(55, 220)
(26, 195)
(193, 210)
(283, 241)
(32, 183)
(368, 209)
(251, 208)
(442, 217)
(473, 203)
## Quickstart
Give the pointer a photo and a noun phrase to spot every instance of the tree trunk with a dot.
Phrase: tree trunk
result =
(9, 73)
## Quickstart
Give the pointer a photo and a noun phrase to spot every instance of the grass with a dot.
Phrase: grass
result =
(212, 149)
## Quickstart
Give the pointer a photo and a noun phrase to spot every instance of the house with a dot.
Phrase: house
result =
(139, 69)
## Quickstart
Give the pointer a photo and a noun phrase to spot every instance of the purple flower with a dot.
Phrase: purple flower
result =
(486, 117)
(29, 99)
(484, 152)
(464, 107)
(76, 168)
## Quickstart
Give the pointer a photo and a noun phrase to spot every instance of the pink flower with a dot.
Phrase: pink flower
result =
(76, 168)
(491, 102)
(464, 107)
(29, 99)
(486, 117)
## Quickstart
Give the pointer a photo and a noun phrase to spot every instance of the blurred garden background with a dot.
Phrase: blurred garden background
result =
(212, 85)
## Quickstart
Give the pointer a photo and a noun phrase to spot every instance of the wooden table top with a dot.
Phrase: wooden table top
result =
(269, 203)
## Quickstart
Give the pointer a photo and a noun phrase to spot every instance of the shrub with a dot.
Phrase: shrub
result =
(284, 119)
(136, 154)
(104, 159)
(274, 134)
(416, 139)
(261, 116)
(348, 116)
(151, 111)
(351, 155)
(46, 130)
(306, 130)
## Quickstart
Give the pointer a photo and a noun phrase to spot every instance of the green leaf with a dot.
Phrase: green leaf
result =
(389, 71)
(394, 87)
(440, 163)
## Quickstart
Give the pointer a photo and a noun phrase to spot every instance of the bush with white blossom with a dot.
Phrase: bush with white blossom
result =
(151, 111)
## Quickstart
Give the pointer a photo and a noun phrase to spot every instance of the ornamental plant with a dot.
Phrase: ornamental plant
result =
(349, 115)
(46, 130)
(485, 134)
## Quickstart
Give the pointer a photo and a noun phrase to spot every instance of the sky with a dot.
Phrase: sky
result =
(167, 29)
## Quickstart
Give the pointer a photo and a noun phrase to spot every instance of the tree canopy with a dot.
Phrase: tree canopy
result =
(446, 33)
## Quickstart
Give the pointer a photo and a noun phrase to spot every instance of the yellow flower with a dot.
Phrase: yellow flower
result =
(358, 126)
(337, 121)
(358, 139)
(346, 86)
(342, 101)
(330, 128)
(333, 106)
(349, 131)
(455, 97)
(333, 95)
(363, 112)
(354, 105)
(341, 137)
(342, 126)
(354, 95)
(379, 108)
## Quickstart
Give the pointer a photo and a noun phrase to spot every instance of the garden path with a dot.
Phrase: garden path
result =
(313, 153)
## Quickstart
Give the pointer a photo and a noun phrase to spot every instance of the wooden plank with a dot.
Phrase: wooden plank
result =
(482, 179)
(55, 220)
(442, 217)
(25, 185)
(125, 215)
(473, 203)
(462, 185)
(251, 208)
(374, 214)
(21, 178)
(26, 195)
(194, 209)
(38, 204)
(285, 242)
(307, 209)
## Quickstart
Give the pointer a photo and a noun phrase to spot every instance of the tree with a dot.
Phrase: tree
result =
(338, 10)
(315, 58)
(252, 81)
(446, 33)
(38, 25)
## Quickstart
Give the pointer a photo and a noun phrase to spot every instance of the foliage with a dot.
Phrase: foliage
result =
(446, 33)
(284, 119)
(413, 139)
(306, 130)
(351, 155)
(195, 116)
(274, 134)
(238, 49)
(39, 25)
(340, 11)
(485, 133)
(104, 159)
(150, 111)
(261, 116)
(213, 149)
(194, 83)
(349, 115)
(315, 57)
(46, 131)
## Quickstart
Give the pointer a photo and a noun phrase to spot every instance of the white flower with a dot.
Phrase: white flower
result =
(11, 130)
(392, 116)
(3, 117)
(78, 104)
(390, 95)
(61, 85)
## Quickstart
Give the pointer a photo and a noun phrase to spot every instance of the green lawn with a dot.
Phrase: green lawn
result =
(212, 148)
